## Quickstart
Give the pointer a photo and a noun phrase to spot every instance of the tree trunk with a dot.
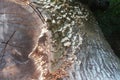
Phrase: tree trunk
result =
(71, 46)
(77, 38)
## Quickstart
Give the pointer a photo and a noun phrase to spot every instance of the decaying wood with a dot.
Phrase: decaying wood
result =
(20, 28)
(80, 49)
(70, 46)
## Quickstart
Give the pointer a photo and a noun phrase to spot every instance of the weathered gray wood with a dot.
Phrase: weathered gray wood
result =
(78, 39)
(70, 47)
(20, 28)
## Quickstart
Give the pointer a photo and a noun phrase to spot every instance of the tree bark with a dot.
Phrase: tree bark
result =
(71, 46)
(78, 38)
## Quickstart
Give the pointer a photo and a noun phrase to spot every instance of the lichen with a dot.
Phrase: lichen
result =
(65, 16)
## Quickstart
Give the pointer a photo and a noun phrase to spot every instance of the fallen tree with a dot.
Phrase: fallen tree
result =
(71, 46)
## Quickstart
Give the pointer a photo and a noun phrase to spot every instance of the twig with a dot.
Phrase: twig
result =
(38, 12)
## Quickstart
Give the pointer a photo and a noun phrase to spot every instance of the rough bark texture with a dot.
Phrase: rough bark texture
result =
(76, 33)
(70, 47)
